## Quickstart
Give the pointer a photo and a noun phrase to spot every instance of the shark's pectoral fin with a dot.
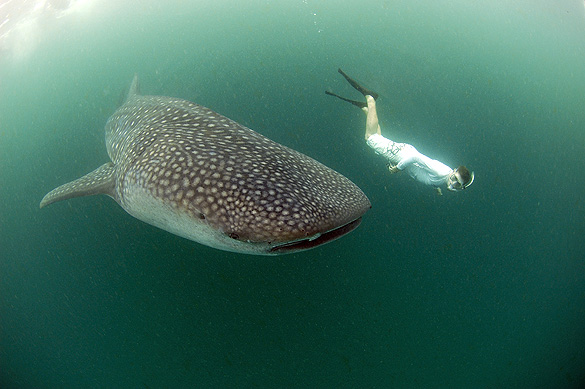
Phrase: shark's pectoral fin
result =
(100, 181)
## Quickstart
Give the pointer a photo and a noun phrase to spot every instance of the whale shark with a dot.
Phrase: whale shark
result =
(190, 171)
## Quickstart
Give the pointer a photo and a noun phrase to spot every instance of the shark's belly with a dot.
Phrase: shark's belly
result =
(143, 205)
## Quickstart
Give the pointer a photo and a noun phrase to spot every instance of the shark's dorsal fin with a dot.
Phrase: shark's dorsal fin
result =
(100, 181)
(134, 88)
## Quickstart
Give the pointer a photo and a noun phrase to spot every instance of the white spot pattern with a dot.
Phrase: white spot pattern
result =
(239, 181)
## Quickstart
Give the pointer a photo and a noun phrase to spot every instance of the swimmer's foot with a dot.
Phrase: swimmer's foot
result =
(357, 86)
(360, 104)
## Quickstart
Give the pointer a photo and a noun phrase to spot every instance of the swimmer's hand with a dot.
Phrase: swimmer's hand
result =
(393, 168)
(439, 191)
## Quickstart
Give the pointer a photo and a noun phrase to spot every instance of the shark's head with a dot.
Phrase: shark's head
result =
(246, 221)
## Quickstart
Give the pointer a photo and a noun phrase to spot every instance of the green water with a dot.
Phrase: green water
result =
(484, 288)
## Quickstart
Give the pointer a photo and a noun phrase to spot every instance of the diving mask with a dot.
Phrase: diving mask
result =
(455, 182)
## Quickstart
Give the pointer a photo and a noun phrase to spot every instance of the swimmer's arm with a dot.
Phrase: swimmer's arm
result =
(404, 163)
(420, 160)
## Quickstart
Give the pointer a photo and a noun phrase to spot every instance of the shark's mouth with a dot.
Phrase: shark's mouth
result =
(311, 242)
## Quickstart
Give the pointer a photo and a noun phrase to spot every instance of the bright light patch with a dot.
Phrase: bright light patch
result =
(24, 25)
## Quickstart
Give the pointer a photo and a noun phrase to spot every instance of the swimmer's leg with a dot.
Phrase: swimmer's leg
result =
(357, 86)
(372, 125)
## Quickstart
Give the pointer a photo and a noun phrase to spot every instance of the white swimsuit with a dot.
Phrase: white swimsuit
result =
(406, 157)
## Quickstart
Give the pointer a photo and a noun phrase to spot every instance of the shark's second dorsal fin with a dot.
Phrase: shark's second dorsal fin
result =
(100, 181)
(134, 88)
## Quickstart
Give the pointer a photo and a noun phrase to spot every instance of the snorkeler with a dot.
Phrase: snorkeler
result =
(402, 156)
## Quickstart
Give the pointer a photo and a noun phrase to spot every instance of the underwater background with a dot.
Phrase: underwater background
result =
(482, 288)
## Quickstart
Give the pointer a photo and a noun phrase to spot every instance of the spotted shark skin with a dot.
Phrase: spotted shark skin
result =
(197, 174)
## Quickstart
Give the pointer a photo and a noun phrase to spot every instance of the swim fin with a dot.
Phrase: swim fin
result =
(359, 104)
(357, 86)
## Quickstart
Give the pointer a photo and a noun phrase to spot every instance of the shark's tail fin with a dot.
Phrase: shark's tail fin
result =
(100, 181)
